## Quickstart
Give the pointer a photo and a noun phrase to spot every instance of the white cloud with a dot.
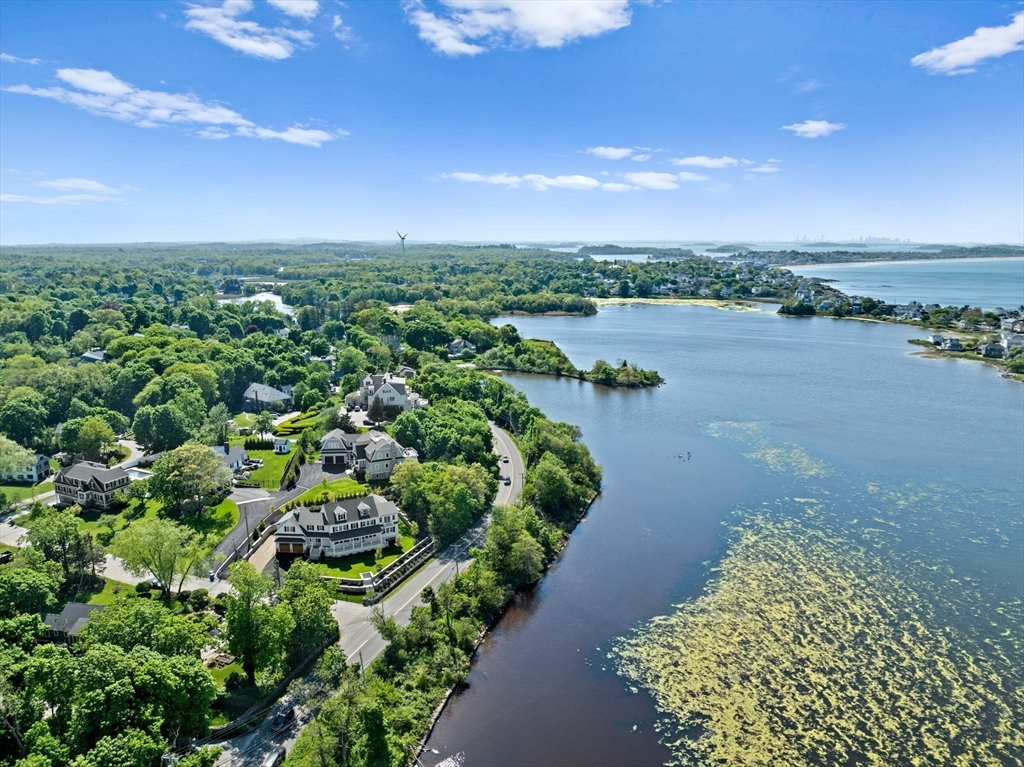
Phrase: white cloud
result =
(807, 86)
(471, 27)
(609, 152)
(79, 185)
(766, 168)
(538, 181)
(64, 199)
(653, 180)
(101, 93)
(686, 175)
(641, 157)
(814, 128)
(543, 183)
(303, 9)
(614, 187)
(960, 56)
(222, 23)
(340, 31)
(8, 58)
(703, 161)
(499, 179)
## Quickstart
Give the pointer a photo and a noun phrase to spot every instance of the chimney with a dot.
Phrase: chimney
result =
(227, 448)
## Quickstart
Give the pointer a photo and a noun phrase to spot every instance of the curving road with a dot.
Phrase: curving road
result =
(359, 639)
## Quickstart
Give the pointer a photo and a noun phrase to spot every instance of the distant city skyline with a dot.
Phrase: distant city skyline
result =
(507, 121)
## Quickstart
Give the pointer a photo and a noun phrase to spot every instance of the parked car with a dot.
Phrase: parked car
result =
(504, 459)
(508, 481)
(283, 720)
(275, 758)
(213, 576)
(5, 557)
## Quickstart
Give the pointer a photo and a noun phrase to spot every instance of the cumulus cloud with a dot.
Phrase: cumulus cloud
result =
(102, 94)
(653, 180)
(703, 161)
(303, 9)
(611, 186)
(609, 152)
(641, 157)
(9, 59)
(686, 175)
(471, 27)
(341, 31)
(538, 181)
(814, 128)
(223, 24)
(960, 56)
(766, 168)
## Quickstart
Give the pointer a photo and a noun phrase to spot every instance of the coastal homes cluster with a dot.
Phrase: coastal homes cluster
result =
(374, 453)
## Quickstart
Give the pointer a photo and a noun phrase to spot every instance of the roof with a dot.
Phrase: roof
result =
(281, 440)
(398, 384)
(94, 356)
(264, 393)
(373, 507)
(71, 619)
(234, 454)
(83, 471)
(368, 442)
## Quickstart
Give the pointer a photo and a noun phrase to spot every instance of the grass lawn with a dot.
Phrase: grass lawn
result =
(351, 567)
(220, 674)
(111, 590)
(336, 487)
(269, 474)
(16, 493)
(218, 521)
(244, 420)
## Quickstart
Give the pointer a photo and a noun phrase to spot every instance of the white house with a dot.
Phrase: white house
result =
(261, 397)
(232, 456)
(282, 445)
(391, 390)
(375, 453)
(458, 346)
(338, 528)
(35, 471)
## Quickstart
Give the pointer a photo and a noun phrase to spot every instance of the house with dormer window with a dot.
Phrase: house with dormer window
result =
(391, 390)
(374, 453)
(339, 528)
(89, 484)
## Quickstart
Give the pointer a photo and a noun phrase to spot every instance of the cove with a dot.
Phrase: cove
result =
(940, 440)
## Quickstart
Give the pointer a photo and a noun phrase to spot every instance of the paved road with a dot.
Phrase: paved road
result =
(359, 639)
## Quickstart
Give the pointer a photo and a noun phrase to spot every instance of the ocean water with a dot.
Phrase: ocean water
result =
(826, 445)
(984, 282)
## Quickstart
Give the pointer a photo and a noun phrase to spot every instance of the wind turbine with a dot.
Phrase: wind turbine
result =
(402, 238)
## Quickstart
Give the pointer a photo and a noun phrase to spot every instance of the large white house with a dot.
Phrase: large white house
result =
(374, 453)
(36, 470)
(339, 528)
(89, 484)
(391, 391)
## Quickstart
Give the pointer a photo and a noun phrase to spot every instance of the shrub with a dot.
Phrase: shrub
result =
(183, 596)
(144, 587)
(199, 600)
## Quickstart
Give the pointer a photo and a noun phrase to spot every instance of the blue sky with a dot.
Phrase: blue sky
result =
(510, 121)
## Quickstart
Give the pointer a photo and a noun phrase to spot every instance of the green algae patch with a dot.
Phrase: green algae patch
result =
(809, 649)
(779, 457)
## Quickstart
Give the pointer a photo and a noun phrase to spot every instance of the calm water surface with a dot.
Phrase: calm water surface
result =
(542, 690)
(984, 282)
(275, 299)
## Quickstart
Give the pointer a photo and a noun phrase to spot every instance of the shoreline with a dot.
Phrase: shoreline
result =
(739, 305)
(831, 264)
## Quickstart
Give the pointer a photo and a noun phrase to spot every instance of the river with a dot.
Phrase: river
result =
(825, 424)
